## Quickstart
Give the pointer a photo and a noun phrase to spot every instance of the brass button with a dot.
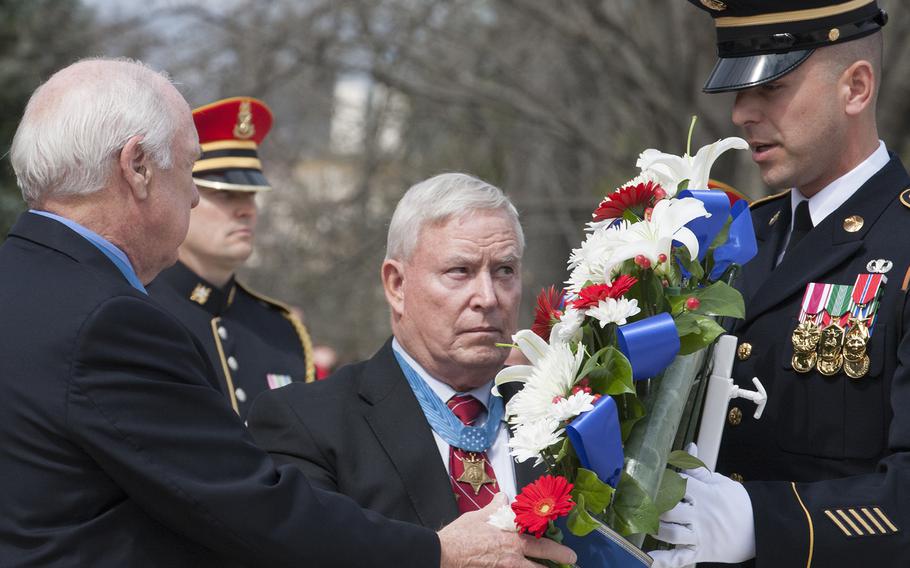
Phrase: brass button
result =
(853, 223)
(735, 416)
(736, 477)
(744, 351)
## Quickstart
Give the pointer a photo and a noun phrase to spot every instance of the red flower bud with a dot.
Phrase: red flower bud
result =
(642, 261)
(648, 212)
(661, 258)
(659, 193)
(693, 303)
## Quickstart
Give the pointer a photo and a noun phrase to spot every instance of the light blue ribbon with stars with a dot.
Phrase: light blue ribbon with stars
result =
(444, 422)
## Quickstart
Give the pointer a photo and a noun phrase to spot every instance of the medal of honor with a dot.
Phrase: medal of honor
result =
(475, 474)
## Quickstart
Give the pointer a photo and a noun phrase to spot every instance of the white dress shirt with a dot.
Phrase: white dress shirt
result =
(498, 453)
(837, 192)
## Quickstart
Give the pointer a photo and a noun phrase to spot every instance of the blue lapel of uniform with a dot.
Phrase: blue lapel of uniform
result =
(401, 429)
(828, 245)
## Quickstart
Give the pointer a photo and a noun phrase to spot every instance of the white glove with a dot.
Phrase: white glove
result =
(713, 522)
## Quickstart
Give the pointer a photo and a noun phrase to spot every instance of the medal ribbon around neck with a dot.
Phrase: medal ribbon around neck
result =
(444, 422)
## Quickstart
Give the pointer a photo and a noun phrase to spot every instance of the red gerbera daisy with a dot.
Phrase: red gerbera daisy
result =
(589, 296)
(635, 198)
(541, 502)
(548, 311)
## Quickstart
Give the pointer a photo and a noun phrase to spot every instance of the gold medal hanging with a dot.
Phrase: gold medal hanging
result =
(830, 358)
(805, 339)
(475, 474)
(856, 362)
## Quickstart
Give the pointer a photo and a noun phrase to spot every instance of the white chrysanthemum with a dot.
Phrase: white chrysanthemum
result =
(611, 310)
(504, 519)
(568, 329)
(591, 263)
(568, 408)
(531, 439)
(551, 377)
(669, 170)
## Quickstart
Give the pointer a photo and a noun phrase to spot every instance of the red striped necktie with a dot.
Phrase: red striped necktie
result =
(470, 473)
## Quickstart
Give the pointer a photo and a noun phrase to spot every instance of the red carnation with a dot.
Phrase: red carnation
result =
(548, 311)
(541, 502)
(589, 296)
(634, 198)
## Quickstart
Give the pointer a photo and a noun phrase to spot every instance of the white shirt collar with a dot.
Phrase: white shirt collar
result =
(442, 390)
(840, 190)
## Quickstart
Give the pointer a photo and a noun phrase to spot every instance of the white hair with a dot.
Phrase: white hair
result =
(76, 123)
(440, 198)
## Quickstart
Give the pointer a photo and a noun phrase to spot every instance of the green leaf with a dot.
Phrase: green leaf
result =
(563, 449)
(635, 512)
(684, 460)
(580, 523)
(596, 494)
(630, 410)
(708, 331)
(686, 323)
(672, 490)
(613, 373)
(720, 299)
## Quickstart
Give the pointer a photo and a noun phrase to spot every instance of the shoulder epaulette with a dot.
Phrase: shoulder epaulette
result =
(305, 341)
(767, 199)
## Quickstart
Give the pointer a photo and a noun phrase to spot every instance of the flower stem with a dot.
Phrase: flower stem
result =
(689, 138)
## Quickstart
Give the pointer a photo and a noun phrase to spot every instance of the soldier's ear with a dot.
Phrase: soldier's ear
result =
(134, 167)
(858, 86)
(392, 274)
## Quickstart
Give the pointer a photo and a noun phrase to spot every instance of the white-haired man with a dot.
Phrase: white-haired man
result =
(387, 431)
(117, 448)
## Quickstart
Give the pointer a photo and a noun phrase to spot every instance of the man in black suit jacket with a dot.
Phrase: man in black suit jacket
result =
(116, 447)
(452, 280)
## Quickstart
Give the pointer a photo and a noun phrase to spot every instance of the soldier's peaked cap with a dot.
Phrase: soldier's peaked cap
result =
(230, 131)
(762, 40)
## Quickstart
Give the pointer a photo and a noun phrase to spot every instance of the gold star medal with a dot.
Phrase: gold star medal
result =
(475, 474)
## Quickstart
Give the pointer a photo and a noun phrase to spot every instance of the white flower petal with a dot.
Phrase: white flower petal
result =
(531, 439)
(531, 345)
(503, 518)
(568, 408)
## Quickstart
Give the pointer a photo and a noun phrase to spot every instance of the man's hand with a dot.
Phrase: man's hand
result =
(471, 542)
(713, 523)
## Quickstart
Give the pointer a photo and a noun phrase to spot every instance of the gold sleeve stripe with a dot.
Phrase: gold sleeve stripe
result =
(885, 518)
(872, 518)
(861, 521)
(839, 524)
(808, 520)
(790, 16)
(853, 526)
(224, 365)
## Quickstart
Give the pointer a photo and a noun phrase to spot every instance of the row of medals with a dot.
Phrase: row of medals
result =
(831, 348)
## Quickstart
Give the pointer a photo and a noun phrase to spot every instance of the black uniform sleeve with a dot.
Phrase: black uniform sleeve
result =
(139, 403)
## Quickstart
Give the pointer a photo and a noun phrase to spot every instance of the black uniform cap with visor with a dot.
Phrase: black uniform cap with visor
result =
(759, 41)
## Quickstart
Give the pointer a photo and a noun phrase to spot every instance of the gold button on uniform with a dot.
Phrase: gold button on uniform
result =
(744, 351)
(737, 477)
(735, 416)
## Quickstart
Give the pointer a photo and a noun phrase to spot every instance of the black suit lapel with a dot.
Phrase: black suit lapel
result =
(828, 245)
(402, 430)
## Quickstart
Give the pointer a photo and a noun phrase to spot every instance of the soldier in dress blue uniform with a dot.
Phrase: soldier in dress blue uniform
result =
(255, 343)
(817, 480)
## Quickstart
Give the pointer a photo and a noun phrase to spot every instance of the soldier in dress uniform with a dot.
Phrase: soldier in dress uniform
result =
(255, 343)
(817, 480)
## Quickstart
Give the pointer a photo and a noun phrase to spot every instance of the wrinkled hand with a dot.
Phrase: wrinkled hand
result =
(713, 522)
(471, 542)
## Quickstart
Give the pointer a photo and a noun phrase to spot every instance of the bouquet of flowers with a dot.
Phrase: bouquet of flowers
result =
(614, 357)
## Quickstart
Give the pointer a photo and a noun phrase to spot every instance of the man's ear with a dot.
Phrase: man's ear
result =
(134, 164)
(392, 273)
(858, 81)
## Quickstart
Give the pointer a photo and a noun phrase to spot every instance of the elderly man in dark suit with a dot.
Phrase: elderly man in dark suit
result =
(116, 447)
(391, 431)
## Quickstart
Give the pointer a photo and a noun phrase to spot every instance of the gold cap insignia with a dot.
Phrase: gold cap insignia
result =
(244, 128)
(833, 34)
(853, 223)
(715, 5)
(200, 294)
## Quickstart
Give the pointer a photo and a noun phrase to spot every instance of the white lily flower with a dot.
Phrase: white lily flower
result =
(655, 237)
(503, 518)
(568, 408)
(532, 438)
(612, 310)
(670, 169)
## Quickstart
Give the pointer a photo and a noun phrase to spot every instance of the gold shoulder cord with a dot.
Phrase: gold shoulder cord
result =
(767, 199)
(811, 527)
(224, 365)
(298, 326)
